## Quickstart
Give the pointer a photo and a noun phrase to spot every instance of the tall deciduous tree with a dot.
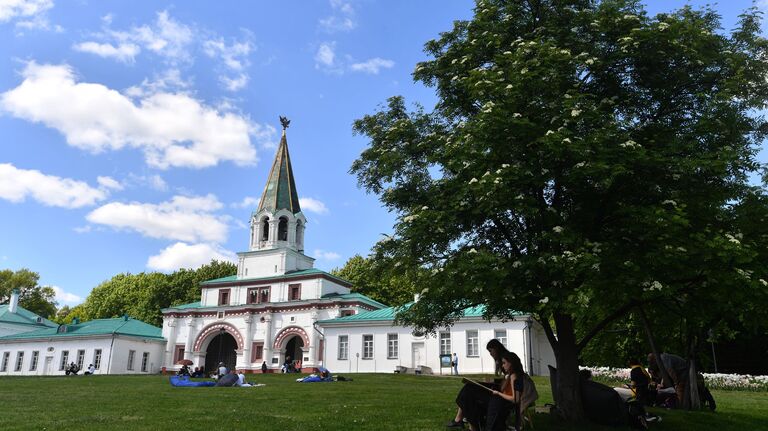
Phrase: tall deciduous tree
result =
(143, 295)
(583, 158)
(379, 280)
(40, 300)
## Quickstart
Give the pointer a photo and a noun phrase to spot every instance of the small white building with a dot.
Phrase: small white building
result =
(114, 346)
(370, 342)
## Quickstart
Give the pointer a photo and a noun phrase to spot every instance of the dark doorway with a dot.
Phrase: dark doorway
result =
(221, 349)
(293, 349)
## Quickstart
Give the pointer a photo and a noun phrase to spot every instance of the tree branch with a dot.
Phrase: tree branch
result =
(603, 323)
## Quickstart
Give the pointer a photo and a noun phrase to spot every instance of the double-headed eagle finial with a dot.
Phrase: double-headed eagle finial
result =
(285, 122)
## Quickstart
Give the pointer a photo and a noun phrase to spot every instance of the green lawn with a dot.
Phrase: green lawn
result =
(370, 402)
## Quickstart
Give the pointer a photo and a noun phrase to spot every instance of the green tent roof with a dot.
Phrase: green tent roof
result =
(120, 326)
(280, 191)
(22, 316)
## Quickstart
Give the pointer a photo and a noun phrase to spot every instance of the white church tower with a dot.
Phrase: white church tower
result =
(277, 226)
(266, 313)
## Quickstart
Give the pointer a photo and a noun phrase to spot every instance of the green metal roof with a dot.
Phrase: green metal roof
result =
(22, 316)
(280, 191)
(119, 326)
(186, 306)
(311, 271)
(388, 314)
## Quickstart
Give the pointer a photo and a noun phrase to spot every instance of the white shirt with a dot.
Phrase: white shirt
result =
(91, 369)
(222, 370)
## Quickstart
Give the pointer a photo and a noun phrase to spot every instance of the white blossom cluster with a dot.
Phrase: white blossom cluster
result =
(719, 381)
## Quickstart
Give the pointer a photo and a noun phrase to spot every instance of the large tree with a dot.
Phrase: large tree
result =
(143, 295)
(583, 159)
(379, 280)
(40, 300)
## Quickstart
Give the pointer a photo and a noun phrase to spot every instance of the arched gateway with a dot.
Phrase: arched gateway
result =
(220, 342)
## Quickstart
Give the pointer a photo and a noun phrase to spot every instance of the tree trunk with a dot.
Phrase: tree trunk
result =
(652, 341)
(692, 395)
(566, 353)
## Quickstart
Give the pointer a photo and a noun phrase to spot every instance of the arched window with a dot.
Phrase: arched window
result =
(265, 229)
(282, 229)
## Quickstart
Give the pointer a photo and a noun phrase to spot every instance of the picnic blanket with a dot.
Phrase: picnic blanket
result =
(183, 381)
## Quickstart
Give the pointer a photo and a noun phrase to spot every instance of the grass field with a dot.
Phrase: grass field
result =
(369, 402)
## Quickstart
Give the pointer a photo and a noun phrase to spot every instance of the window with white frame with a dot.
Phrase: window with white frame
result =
(368, 346)
(473, 345)
(144, 362)
(501, 335)
(97, 359)
(80, 358)
(33, 362)
(64, 359)
(392, 346)
(445, 343)
(6, 358)
(131, 355)
(19, 361)
(343, 347)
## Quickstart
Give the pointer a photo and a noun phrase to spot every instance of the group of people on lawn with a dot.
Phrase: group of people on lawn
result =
(72, 370)
(490, 404)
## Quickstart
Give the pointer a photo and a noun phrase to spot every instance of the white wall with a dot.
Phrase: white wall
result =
(311, 289)
(53, 349)
(482, 363)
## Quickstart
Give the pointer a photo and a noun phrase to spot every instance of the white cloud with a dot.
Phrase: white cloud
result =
(12, 9)
(182, 218)
(326, 255)
(66, 298)
(172, 129)
(18, 184)
(109, 183)
(181, 255)
(249, 201)
(372, 66)
(234, 58)
(125, 52)
(343, 18)
(313, 205)
(167, 38)
(169, 80)
(154, 182)
(325, 56)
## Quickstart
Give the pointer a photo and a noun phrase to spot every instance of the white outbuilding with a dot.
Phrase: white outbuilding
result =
(114, 346)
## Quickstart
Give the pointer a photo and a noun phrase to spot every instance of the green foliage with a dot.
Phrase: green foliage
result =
(143, 295)
(35, 298)
(379, 280)
(583, 158)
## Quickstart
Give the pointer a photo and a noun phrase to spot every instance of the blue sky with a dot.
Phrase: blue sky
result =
(137, 136)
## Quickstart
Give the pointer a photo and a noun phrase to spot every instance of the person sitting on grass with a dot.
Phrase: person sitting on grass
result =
(471, 392)
(493, 406)
(640, 382)
(91, 370)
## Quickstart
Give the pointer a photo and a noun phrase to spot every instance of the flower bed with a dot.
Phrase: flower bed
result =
(727, 382)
